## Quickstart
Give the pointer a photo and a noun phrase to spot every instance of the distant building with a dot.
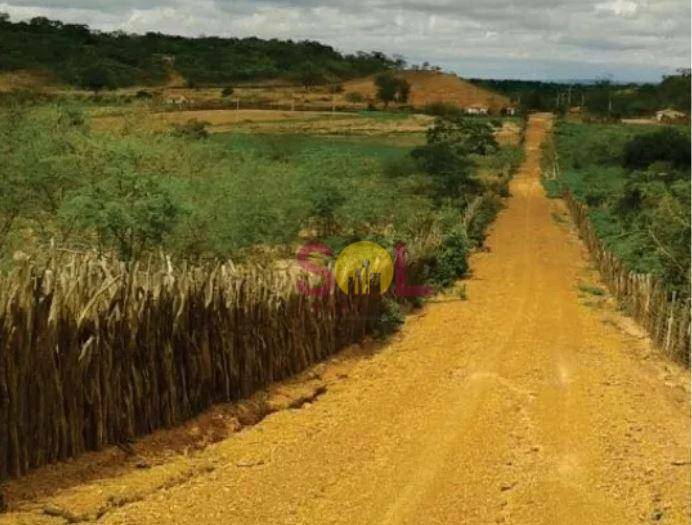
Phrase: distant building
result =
(670, 115)
(477, 110)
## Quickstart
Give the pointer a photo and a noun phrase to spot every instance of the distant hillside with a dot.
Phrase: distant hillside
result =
(432, 86)
(78, 56)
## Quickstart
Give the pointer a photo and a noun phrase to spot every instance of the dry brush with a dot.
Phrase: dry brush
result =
(95, 352)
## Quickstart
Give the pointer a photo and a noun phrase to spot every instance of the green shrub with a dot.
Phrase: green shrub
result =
(668, 145)
(442, 109)
(390, 319)
(485, 214)
(451, 258)
(192, 129)
(97, 77)
(130, 210)
(447, 154)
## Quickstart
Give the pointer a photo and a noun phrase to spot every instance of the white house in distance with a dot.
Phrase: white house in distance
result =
(670, 115)
(477, 110)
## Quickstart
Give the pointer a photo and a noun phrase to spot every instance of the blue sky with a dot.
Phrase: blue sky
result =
(629, 40)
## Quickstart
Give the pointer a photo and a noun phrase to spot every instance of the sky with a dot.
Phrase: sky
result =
(623, 40)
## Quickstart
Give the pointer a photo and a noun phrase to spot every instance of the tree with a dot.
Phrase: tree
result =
(446, 156)
(404, 91)
(65, 49)
(39, 165)
(666, 145)
(135, 211)
(399, 61)
(309, 75)
(387, 86)
(97, 78)
(391, 88)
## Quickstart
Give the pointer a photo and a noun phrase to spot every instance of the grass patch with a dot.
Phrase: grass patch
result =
(591, 289)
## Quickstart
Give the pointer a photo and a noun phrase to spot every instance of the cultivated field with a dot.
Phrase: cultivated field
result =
(364, 123)
(258, 281)
(507, 413)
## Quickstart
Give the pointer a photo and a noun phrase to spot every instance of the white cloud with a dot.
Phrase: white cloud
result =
(623, 8)
(629, 39)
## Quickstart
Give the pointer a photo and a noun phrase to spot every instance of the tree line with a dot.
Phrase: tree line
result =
(602, 98)
(80, 56)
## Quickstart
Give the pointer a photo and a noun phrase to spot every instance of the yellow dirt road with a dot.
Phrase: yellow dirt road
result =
(530, 403)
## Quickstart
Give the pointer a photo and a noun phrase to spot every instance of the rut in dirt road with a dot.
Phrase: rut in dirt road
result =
(526, 404)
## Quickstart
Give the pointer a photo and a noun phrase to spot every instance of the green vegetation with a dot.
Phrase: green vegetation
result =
(591, 289)
(442, 109)
(636, 181)
(391, 89)
(198, 196)
(447, 156)
(100, 60)
(603, 99)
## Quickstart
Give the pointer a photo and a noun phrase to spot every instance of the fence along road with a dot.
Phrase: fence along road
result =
(526, 404)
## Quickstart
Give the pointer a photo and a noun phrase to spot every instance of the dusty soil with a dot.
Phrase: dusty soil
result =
(534, 401)
(26, 79)
(222, 118)
(273, 122)
(431, 86)
(264, 121)
(426, 87)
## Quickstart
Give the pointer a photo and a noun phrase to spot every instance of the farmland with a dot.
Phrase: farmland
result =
(251, 184)
(370, 408)
(225, 211)
(260, 279)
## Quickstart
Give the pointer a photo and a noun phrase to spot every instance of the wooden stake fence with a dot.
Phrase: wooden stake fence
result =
(665, 316)
(93, 352)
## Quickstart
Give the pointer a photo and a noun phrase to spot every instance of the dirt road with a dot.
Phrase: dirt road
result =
(532, 402)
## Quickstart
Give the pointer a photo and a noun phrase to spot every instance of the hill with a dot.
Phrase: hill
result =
(78, 56)
(432, 86)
